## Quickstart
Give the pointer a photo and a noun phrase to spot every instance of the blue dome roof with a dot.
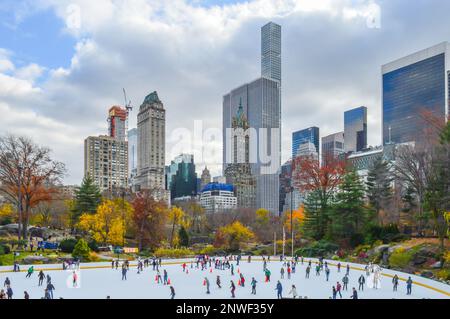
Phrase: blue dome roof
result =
(217, 187)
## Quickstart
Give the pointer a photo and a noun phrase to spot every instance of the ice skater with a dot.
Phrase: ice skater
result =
(41, 277)
(166, 277)
(338, 289)
(172, 292)
(50, 289)
(354, 294)
(327, 272)
(395, 282)
(74, 279)
(7, 282)
(361, 282)
(345, 281)
(253, 284)
(279, 289)
(206, 283)
(29, 272)
(409, 284)
(308, 270)
(218, 282)
(233, 289)
(293, 292)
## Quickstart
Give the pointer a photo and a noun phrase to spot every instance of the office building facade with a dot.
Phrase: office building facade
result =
(332, 146)
(218, 198)
(355, 129)
(412, 85)
(106, 162)
(117, 117)
(309, 135)
(151, 145)
(181, 177)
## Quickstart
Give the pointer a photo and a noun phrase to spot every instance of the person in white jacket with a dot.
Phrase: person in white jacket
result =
(293, 292)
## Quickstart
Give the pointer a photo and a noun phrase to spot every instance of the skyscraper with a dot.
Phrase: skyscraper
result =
(309, 135)
(332, 145)
(355, 129)
(205, 178)
(181, 176)
(271, 51)
(413, 84)
(116, 122)
(260, 103)
(106, 162)
(151, 121)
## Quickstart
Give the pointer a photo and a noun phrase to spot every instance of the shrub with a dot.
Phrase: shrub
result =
(443, 274)
(173, 253)
(356, 239)
(335, 257)
(209, 250)
(67, 245)
(81, 250)
(4, 249)
(93, 245)
(400, 258)
(317, 249)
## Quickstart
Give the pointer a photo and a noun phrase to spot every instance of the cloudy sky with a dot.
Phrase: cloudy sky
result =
(63, 63)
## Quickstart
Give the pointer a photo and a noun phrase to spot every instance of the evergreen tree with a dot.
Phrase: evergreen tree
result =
(314, 223)
(184, 237)
(348, 213)
(379, 185)
(87, 198)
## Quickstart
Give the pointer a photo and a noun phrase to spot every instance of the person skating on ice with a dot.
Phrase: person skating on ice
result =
(253, 284)
(172, 292)
(293, 292)
(41, 277)
(232, 289)
(361, 282)
(395, 282)
(279, 289)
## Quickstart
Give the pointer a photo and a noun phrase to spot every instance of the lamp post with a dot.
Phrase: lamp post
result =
(123, 218)
(292, 223)
(19, 197)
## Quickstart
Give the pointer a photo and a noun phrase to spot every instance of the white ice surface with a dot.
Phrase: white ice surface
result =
(102, 282)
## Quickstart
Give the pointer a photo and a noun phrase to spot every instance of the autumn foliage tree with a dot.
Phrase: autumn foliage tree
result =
(149, 219)
(108, 224)
(309, 177)
(28, 176)
(232, 236)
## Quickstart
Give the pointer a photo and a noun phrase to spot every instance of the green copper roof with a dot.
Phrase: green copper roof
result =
(152, 98)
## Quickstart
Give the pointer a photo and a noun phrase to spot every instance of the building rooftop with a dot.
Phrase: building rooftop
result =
(217, 187)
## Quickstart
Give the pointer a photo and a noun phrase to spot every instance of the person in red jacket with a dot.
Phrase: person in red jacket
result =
(338, 289)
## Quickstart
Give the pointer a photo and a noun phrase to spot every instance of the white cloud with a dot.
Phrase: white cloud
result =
(192, 55)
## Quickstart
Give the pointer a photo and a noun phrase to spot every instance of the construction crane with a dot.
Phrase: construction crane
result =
(128, 108)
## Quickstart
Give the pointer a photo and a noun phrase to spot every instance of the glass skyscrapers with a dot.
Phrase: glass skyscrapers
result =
(332, 146)
(411, 85)
(271, 51)
(355, 129)
(309, 135)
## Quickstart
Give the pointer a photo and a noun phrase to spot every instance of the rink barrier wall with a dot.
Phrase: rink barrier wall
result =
(253, 259)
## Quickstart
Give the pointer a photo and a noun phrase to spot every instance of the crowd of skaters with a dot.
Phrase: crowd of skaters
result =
(226, 263)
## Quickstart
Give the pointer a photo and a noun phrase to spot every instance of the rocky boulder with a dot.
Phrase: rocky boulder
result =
(427, 274)
(29, 260)
(10, 229)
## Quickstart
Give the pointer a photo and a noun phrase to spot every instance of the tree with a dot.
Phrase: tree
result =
(378, 184)
(107, 225)
(6, 214)
(81, 250)
(184, 237)
(176, 215)
(313, 225)
(437, 193)
(149, 219)
(87, 198)
(27, 176)
(262, 217)
(298, 217)
(309, 176)
(349, 214)
(233, 235)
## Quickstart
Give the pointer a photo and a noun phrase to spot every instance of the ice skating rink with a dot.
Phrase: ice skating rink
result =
(97, 281)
